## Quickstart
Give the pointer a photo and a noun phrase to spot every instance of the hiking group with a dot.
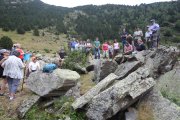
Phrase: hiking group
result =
(15, 65)
(130, 43)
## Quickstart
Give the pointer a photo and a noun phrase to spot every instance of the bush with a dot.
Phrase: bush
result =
(6, 42)
(73, 58)
(177, 25)
(168, 33)
(176, 39)
(21, 30)
(46, 50)
(36, 32)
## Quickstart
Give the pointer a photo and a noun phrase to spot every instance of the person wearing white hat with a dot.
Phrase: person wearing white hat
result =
(154, 28)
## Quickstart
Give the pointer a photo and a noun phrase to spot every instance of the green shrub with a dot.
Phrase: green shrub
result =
(20, 30)
(177, 25)
(168, 33)
(73, 58)
(46, 50)
(36, 32)
(176, 39)
(6, 42)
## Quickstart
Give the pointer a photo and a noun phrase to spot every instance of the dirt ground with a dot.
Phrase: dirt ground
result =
(8, 108)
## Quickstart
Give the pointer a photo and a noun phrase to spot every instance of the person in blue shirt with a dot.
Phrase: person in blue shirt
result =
(27, 56)
(73, 44)
(123, 37)
(155, 37)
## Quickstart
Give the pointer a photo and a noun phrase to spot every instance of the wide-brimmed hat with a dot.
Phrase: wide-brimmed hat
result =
(152, 20)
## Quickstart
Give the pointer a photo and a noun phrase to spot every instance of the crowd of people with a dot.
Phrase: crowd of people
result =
(130, 43)
(17, 64)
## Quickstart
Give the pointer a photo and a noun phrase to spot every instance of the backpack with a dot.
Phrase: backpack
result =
(49, 68)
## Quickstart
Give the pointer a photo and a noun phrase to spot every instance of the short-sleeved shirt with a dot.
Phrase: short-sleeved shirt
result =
(96, 43)
(27, 56)
(21, 56)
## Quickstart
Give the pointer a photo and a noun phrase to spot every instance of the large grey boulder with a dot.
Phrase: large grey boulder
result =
(26, 105)
(107, 68)
(52, 84)
(160, 107)
(126, 68)
(161, 60)
(83, 100)
(120, 96)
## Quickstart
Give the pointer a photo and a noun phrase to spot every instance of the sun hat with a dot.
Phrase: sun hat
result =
(3, 51)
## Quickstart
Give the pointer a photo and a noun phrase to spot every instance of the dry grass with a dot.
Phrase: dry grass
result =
(37, 43)
(145, 112)
(86, 82)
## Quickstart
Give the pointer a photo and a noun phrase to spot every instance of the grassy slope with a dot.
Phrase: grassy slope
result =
(37, 43)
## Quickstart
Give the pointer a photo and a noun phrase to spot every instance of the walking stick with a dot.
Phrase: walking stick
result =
(24, 72)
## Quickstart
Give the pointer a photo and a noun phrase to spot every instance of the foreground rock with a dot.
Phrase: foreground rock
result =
(26, 105)
(120, 96)
(52, 84)
(80, 102)
(81, 70)
(160, 107)
(126, 68)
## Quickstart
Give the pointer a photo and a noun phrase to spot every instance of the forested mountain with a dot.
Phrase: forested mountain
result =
(105, 21)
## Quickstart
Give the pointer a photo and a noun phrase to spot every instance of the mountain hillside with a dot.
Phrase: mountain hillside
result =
(89, 21)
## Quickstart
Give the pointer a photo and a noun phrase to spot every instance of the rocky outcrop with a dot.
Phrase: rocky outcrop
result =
(26, 105)
(52, 84)
(80, 102)
(107, 68)
(120, 96)
(126, 68)
(161, 60)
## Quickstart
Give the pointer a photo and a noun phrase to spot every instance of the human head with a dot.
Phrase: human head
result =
(4, 52)
(34, 59)
(115, 40)
(16, 53)
(124, 30)
(152, 21)
(18, 45)
(140, 41)
(97, 38)
(127, 44)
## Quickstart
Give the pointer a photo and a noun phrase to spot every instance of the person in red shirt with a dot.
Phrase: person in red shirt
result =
(18, 48)
(105, 50)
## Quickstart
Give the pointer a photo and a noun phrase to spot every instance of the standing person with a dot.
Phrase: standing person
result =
(34, 65)
(77, 45)
(123, 38)
(4, 56)
(88, 48)
(105, 50)
(155, 37)
(137, 36)
(13, 68)
(110, 49)
(62, 55)
(116, 48)
(73, 44)
(148, 38)
(18, 48)
(27, 56)
(97, 48)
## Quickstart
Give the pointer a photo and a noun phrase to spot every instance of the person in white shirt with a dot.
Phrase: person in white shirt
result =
(148, 38)
(116, 48)
(34, 65)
